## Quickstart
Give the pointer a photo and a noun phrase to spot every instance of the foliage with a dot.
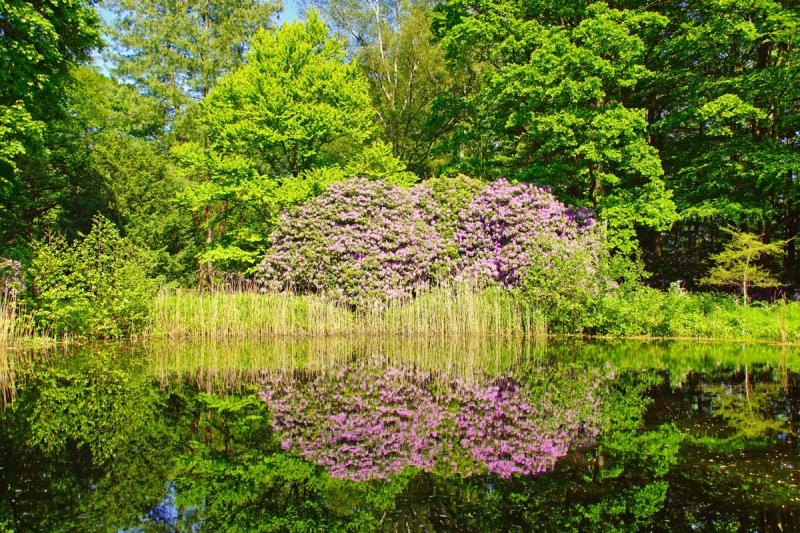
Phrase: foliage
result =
(98, 287)
(294, 108)
(737, 263)
(127, 134)
(408, 78)
(40, 168)
(729, 142)
(42, 42)
(176, 52)
(552, 105)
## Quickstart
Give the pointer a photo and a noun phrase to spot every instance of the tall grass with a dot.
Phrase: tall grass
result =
(452, 311)
(18, 327)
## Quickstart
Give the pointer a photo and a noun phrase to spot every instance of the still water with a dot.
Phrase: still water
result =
(401, 435)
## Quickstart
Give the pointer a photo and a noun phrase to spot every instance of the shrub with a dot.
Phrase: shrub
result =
(97, 287)
(510, 229)
(361, 240)
(368, 240)
(12, 282)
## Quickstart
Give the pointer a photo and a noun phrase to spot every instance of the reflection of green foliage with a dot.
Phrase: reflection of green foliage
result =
(98, 419)
(88, 446)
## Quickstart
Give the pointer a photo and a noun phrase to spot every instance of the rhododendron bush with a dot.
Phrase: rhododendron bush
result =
(359, 240)
(510, 228)
(366, 241)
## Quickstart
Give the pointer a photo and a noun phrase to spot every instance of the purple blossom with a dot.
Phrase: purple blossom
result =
(367, 241)
(372, 422)
(13, 282)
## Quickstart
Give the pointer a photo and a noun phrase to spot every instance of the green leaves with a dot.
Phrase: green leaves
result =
(737, 266)
(176, 50)
(291, 120)
(553, 107)
(97, 287)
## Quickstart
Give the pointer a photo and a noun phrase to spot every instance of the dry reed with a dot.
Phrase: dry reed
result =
(452, 311)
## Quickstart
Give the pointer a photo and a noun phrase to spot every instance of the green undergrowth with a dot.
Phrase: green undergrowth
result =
(446, 312)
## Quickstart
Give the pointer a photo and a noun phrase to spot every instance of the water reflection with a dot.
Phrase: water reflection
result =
(368, 421)
(337, 436)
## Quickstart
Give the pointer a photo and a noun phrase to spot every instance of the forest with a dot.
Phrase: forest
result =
(400, 166)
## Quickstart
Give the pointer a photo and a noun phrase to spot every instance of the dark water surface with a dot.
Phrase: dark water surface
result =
(401, 435)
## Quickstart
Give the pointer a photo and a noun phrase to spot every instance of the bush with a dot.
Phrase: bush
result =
(368, 240)
(361, 240)
(510, 229)
(97, 287)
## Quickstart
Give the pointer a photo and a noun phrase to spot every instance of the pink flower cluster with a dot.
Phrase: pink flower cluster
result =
(366, 241)
(12, 282)
(512, 227)
(361, 240)
(365, 423)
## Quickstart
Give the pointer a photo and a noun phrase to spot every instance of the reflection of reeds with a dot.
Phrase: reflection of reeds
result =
(15, 366)
(460, 310)
(229, 365)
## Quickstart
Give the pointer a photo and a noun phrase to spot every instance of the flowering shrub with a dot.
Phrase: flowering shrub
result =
(13, 282)
(367, 240)
(365, 423)
(511, 228)
(360, 240)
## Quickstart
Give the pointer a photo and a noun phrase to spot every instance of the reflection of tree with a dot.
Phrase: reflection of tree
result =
(736, 468)
(747, 410)
(100, 421)
(84, 444)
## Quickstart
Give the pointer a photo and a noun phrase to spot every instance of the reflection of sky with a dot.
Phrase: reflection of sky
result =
(291, 12)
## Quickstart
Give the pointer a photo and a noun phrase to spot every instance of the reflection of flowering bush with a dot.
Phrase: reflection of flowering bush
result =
(363, 425)
(365, 239)
(13, 283)
(360, 239)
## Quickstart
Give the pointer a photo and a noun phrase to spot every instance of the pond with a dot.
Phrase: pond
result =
(401, 434)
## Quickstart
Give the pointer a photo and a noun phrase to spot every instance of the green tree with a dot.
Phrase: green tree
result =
(722, 108)
(737, 264)
(554, 105)
(296, 106)
(40, 44)
(129, 153)
(407, 73)
(176, 51)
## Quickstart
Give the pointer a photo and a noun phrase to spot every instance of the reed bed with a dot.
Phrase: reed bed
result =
(15, 324)
(448, 311)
